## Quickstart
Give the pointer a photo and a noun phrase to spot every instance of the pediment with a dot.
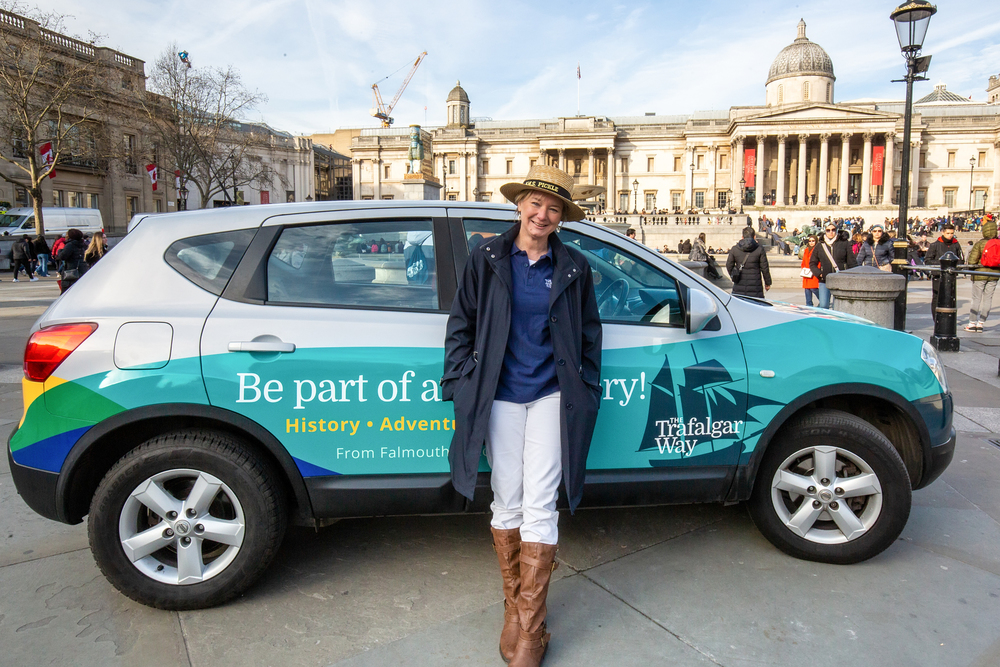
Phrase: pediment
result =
(814, 112)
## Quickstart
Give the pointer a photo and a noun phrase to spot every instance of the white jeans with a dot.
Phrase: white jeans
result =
(524, 449)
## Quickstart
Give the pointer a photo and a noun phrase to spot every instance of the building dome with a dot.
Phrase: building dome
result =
(801, 58)
(457, 93)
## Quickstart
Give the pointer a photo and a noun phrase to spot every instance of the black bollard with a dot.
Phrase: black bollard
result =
(946, 322)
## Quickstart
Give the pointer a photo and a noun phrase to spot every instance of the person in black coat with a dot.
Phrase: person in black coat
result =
(747, 266)
(832, 254)
(71, 255)
(945, 243)
(22, 252)
(42, 252)
(523, 366)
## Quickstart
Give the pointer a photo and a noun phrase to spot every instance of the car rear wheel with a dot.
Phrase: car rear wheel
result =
(831, 488)
(186, 521)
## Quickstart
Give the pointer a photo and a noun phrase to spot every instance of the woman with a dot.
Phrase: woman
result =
(700, 254)
(810, 283)
(523, 367)
(71, 255)
(876, 250)
(96, 250)
(747, 266)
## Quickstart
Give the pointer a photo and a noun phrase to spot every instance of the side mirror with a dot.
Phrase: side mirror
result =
(701, 309)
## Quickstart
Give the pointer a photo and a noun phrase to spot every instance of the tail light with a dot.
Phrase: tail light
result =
(48, 347)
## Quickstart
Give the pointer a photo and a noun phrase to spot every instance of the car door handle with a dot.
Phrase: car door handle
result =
(260, 346)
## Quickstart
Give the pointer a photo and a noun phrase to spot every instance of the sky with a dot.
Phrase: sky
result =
(316, 60)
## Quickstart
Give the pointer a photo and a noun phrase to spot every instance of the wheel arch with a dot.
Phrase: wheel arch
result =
(104, 444)
(894, 416)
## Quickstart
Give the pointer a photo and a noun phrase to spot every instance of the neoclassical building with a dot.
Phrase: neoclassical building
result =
(799, 152)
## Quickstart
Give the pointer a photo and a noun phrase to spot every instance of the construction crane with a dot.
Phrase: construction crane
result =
(381, 111)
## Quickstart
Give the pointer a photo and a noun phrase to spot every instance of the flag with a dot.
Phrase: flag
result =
(151, 170)
(578, 70)
(45, 150)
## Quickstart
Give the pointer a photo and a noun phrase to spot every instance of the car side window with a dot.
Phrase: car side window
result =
(381, 264)
(628, 289)
(210, 259)
(479, 231)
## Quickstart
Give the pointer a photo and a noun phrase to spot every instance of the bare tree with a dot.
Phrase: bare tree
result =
(195, 118)
(50, 98)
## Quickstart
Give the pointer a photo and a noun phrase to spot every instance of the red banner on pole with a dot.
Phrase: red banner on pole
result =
(750, 166)
(45, 150)
(878, 164)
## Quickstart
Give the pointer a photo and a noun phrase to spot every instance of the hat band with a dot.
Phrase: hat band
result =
(549, 187)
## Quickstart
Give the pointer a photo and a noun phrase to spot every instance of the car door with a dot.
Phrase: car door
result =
(330, 335)
(673, 403)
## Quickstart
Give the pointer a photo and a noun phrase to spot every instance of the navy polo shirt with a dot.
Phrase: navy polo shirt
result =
(529, 366)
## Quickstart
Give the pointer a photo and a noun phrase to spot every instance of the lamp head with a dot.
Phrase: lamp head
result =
(911, 19)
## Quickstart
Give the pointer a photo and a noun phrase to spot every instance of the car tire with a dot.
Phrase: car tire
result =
(156, 511)
(860, 509)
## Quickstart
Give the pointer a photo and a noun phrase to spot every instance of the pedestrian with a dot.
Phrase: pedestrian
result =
(747, 266)
(876, 250)
(945, 243)
(700, 254)
(810, 282)
(832, 254)
(71, 256)
(43, 252)
(96, 250)
(630, 232)
(522, 365)
(983, 287)
(22, 252)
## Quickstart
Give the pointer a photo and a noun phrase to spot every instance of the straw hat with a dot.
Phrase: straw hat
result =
(550, 180)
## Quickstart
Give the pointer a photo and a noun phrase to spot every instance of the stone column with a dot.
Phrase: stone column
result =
(800, 190)
(377, 168)
(612, 194)
(356, 178)
(562, 159)
(866, 171)
(738, 166)
(995, 190)
(824, 167)
(688, 177)
(710, 198)
(758, 192)
(780, 195)
(915, 168)
(845, 165)
(591, 176)
(463, 176)
(888, 168)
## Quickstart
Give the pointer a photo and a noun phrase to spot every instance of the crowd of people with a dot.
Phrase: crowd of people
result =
(72, 254)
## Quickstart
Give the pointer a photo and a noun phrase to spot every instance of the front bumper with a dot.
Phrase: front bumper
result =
(36, 487)
(941, 456)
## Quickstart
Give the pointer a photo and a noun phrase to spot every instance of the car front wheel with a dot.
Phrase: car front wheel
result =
(186, 521)
(832, 489)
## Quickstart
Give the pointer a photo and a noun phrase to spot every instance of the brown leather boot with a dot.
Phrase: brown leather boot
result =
(537, 565)
(507, 544)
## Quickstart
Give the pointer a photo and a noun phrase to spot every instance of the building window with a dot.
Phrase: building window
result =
(922, 198)
(829, 92)
(453, 197)
(485, 196)
(624, 165)
(677, 163)
(781, 94)
(289, 195)
(979, 199)
(699, 161)
(387, 197)
(699, 199)
(132, 206)
(531, 162)
(158, 205)
(486, 167)
(650, 200)
(623, 198)
(675, 200)
(949, 197)
(451, 167)
(723, 199)
(130, 165)
(723, 161)
(805, 91)
(982, 159)
(57, 198)
(510, 167)
(649, 164)
(387, 169)
(856, 156)
(577, 167)
(951, 160)
(21, 196)
(923, 159)
(366, 197)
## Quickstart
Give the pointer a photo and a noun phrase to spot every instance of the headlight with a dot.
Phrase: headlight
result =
(930, 357)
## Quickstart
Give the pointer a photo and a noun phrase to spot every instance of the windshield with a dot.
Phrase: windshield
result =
(11, 220)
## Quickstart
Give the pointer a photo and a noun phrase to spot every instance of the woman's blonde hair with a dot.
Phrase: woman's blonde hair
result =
(96, 246)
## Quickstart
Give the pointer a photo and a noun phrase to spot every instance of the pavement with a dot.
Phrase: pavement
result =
(678, 585)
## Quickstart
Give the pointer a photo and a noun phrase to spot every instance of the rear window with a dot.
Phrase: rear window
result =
(209, 260)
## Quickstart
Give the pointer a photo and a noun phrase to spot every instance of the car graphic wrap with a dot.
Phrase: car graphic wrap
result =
(377, 410)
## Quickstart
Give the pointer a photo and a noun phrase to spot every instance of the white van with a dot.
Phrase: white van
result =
(19, 221)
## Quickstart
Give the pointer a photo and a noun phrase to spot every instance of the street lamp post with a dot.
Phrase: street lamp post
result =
(635, 190)
(911, 19)
(972, 168)
(743, 190)
(182, 203)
